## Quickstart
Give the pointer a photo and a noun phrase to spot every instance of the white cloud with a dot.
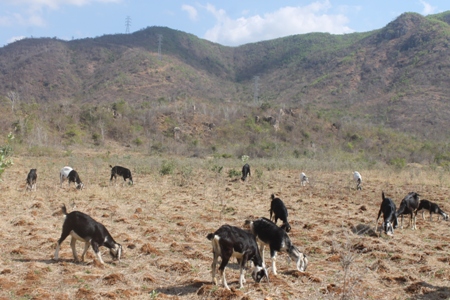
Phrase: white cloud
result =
(285, 21)
(15, 39)
(54, 4)
(428, 8)
(31, 11)
(192, 12)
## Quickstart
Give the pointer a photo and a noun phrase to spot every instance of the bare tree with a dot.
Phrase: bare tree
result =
(14, 97)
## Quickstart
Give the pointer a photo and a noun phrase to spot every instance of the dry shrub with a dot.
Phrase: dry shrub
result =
(114, 278)
(179, 267)
(149, 249)
(83, 293)
(211, 291)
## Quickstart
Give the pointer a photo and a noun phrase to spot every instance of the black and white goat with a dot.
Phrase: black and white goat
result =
(120, 171)
(432, 208)
(279, 211)
(85, 229)
(358, 179)
(268, 233)
(303, 179)
(72, 176)
(31, 180)
(245, 172)
(408, 206)
(230, 241)
(388, 209)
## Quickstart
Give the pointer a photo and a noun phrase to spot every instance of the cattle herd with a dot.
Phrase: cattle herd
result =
(246, 243)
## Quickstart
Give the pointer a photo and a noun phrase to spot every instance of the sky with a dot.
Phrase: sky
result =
(229, 23)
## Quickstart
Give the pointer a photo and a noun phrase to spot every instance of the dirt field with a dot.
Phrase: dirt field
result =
(162, 223)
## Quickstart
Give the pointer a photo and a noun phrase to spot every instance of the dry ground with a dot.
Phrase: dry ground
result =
(162, 223)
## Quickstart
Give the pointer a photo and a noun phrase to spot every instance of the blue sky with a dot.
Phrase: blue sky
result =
(231, 22)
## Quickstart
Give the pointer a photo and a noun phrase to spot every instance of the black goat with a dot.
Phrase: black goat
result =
(31, 180)
(279, 211)
(245, 172)
(85, 229)
(120, 171)
(389, 215)
(408, 206)
(432, 208)
(229, 241)
(268, 233)
(72, 176)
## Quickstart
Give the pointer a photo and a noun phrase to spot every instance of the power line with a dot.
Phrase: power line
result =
(160, 37)
(127, 24)
(256, 89)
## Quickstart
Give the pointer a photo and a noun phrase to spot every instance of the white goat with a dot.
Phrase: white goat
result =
(358, 179)
(303, 179)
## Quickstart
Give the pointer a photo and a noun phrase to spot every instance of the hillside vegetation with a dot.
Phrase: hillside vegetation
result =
(373, 97)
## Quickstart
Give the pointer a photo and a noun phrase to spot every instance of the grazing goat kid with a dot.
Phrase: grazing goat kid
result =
(85, 229)
(31, 180)
(432, 208)
(72, 176)
(268, 233)
(245, 172)
(303, 179)
(229, 241)
(408, 206)
(279, 211)
(120, 171)
(358, 179)
(389, 217)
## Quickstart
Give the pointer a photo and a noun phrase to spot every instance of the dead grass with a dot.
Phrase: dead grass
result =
(162, 225)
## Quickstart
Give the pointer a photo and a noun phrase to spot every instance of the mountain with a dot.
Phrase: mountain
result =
(158, 79)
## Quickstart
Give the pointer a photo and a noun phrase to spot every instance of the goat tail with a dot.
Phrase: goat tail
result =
(210, 236)
(382, 195)
(110, 166)
(64, 209)
(272, 196)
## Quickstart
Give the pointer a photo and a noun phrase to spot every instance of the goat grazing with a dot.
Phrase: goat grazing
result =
(72, 176)
(279, 211)
(303, 179)
(230, 241)
(408, 206)
(120, 171)
(268, 233)
(245, 172)
(358, 179)
(31, 180)
(389, 215)
(85, 229)
(432, 208)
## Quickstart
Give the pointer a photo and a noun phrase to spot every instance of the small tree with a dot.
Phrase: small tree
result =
(5, 152)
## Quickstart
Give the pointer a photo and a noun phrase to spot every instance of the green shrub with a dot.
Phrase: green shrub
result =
(233, 173)
(5, 152)
(167, 167)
